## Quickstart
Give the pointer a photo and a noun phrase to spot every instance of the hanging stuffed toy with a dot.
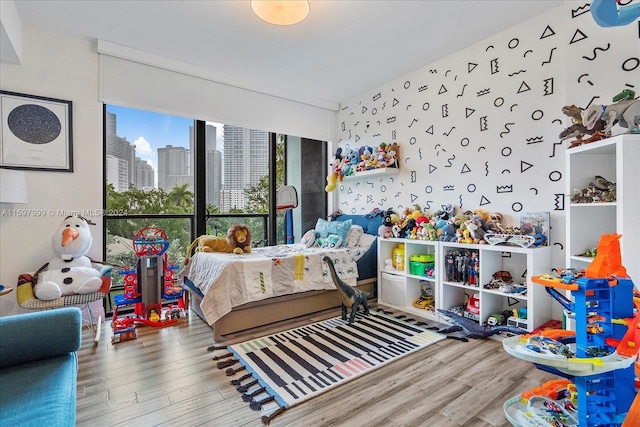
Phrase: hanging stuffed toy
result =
(71, 271)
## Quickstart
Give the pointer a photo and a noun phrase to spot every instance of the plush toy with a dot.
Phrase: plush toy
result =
(208, 243)
(71, 271)
(239, 236)
(386, 228)
(238, 241)
(448, 233)
(331, 183)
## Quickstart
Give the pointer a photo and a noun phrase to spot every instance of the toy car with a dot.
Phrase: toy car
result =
(495, 320)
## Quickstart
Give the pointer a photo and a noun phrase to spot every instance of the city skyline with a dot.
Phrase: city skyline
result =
(149, 131)
(237, 159)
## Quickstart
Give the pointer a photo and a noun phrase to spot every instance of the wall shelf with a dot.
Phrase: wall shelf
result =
(371, 173)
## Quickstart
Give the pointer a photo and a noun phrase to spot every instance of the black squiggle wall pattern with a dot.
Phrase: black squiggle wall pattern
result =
(479, 129)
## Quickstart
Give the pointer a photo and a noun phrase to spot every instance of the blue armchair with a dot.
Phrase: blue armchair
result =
(39, 367)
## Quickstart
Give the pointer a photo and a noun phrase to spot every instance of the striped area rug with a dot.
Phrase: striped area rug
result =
(281, 370)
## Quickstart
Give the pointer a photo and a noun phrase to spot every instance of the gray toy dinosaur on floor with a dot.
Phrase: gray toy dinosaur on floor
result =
(351, 297)
(473, 329)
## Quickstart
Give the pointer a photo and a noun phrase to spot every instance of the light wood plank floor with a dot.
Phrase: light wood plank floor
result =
(167, 377)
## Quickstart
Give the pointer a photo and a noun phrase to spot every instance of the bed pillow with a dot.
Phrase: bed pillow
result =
(341, 228)
(309, 239)
(332, 241)
(354, 236)
(366, 240)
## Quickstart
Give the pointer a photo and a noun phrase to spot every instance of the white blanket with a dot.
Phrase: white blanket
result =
(229, 280)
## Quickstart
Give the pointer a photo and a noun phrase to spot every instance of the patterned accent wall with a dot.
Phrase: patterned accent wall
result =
(480, 128)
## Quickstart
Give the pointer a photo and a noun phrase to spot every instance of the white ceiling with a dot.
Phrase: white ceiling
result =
(343, 49)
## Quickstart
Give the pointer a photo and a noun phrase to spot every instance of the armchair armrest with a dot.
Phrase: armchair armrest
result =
(39, 335)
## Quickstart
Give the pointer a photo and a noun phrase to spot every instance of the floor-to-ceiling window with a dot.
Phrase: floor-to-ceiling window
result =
(188, 177)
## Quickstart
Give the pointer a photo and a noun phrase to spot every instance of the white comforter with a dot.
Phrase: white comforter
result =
(229, 280)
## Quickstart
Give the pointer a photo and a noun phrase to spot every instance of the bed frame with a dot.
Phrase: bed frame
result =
(272, 310)
(277, 309)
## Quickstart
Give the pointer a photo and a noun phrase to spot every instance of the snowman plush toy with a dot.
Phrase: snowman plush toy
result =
(71, 271)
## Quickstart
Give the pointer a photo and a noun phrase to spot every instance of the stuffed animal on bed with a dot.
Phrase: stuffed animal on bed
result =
(238, 241)
(71, 271)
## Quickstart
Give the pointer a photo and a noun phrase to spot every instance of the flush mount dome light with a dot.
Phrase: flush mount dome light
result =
(281, 12)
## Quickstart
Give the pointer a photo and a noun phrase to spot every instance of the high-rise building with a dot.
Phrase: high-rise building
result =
(213, 167)
(121, 149)
(145, 175)
(174, 167)
(117, 172)
(246, 161)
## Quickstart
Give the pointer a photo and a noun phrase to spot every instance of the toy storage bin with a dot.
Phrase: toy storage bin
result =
(418, 264)
(392, 289)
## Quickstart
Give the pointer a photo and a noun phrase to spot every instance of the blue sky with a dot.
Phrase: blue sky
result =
(150, 131)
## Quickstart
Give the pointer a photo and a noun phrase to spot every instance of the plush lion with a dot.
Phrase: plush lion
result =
(238, 241)
(239, 236)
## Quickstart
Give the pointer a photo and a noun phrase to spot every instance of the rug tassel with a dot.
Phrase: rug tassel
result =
(231, 371)
(248, 396)
(266, 419)
(226, 363)
(216, 347)
(239, 380)
(245, 387)
(256, 405)
(222, 356)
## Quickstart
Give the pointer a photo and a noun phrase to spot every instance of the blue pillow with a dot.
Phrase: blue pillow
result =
(341, 228)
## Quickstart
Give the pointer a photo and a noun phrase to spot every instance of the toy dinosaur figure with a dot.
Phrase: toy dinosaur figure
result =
(473, 329)
(623, 113)
(574, 112)
(351, 297)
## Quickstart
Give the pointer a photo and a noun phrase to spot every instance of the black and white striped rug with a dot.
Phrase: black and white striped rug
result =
(284, 369)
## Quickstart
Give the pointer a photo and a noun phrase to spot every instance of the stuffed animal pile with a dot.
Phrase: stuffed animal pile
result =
(443, 225)
(70, 271)
(347, 162)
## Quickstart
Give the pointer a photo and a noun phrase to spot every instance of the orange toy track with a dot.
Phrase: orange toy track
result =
(608, 261)
(631, 420)
(631, 340)
(549, 389)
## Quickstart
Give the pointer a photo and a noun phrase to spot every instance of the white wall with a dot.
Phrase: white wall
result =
(67, 68)
(479, 129)
(59, 67)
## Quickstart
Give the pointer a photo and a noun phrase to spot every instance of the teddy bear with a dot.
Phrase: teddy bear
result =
(70, 271)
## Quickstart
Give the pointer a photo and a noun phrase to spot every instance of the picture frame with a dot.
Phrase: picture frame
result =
(36, 132)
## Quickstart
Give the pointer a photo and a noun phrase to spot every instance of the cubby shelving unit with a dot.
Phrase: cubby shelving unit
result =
(616, 160)
(522, 264)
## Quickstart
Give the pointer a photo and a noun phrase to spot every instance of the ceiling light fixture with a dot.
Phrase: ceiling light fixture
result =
(281, 12)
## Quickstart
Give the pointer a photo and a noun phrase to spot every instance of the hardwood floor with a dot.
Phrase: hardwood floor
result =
(167, 377)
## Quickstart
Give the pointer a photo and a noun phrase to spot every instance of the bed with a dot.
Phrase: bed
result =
(234, 292)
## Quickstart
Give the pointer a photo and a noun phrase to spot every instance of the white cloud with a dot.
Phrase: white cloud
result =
(143, 148)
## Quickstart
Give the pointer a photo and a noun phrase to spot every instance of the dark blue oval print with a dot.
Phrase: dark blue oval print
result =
(34, 124)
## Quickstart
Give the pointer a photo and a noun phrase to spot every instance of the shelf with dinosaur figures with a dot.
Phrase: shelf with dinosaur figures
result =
(366, 161)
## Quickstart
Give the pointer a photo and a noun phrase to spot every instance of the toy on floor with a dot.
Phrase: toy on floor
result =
(351, 297)
(473, 329)
(598, 357)
(147, 286)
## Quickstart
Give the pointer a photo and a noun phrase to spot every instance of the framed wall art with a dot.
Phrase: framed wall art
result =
(36, 133)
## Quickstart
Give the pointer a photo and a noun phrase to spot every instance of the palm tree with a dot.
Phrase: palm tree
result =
(181, 196)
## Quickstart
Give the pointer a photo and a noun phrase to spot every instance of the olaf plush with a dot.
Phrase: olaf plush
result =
(71, 271)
